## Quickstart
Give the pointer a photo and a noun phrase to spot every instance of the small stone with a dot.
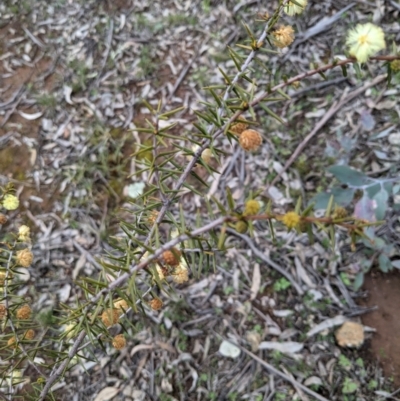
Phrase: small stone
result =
(394, 139)
(350, 334)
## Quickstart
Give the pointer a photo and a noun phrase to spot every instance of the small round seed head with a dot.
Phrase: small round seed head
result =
(3, 311)
(119, 341)
(291, 219)
(156, 304)
(339, 212)
(395, 65)
(172, 257)
(110, 317)
(180, 274)
(3, 218)
(250, 140)
(12, 342)
(24, 257)
(24, 312)
(121, 305)
(283, 36)
(251, 208)
(238, 128)
(29, 334)
(241, 226)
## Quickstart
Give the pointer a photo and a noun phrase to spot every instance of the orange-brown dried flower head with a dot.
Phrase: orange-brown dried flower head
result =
(110, 317)
(291, 219)
(156, 304)
(121, 305)
(3, 311)
(3, 218)
(2, 278)
(119, 341)
(250, 140)
(238, 128)
(24, 257)
(152, 217)
(12, 342)
(180, 274)
(283, 36)
(172, 257)
(24, 312)
(29, 334)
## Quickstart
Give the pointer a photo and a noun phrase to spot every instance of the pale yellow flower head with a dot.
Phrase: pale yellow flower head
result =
(24, 234)
(365, 40)
(181, 273)
(283, 36)
(291, 8)
(10, 202)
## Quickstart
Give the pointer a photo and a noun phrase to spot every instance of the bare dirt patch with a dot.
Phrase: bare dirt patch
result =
(384, 292)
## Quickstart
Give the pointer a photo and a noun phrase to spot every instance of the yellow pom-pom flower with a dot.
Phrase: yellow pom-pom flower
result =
(395, 65)
(291, 220)
(291, 8)
(119, 341)
(251, 208)
(3, 311)
(365, 40)
(29, 334)
(156, 304)
(121, 305)
(250, 140)
(283, 36)
(110, 317)
(24, 312)
(10, 202)
(24, 257)
(180, 274)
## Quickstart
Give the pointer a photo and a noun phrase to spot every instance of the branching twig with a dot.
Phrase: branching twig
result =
(282, 375)
(267, 260)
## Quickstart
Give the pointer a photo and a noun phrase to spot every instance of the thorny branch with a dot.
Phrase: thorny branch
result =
(167, 202)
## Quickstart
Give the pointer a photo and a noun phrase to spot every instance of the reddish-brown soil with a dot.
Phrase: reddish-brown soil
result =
(384, 292)
(17, 159)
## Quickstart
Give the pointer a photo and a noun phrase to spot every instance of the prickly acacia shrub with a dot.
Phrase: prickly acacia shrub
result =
(152, 256)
